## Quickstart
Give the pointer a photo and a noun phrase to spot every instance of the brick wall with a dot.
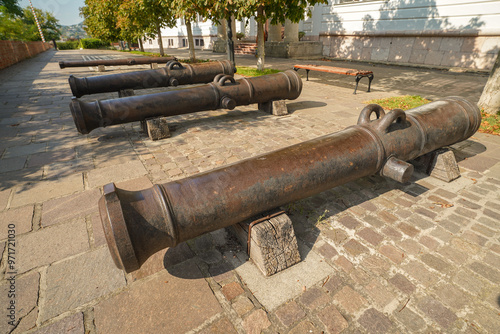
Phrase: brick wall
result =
(12, 52)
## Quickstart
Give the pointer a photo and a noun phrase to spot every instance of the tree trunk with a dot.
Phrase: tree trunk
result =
(490, 98)
(260, 38)
(141, 47)
(230, 42)
(192, 56)
(160, 42)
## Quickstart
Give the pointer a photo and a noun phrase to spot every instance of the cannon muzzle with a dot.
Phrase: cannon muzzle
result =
(116, 62)
(173, 74)
(224, 92)
(139, 223)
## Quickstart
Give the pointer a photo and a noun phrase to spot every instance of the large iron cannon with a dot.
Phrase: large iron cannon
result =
(224, 92)
(139, 223)
(116, 62)
(173, 74)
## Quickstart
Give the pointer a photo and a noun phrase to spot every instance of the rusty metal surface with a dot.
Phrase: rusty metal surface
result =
(168, 214)
(173, 74)
(116, 62)
(223, 93)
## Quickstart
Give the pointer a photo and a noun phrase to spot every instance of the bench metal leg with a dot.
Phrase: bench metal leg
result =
(359, 76)
(370, 78)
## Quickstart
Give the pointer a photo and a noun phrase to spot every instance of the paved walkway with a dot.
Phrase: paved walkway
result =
(378, 257)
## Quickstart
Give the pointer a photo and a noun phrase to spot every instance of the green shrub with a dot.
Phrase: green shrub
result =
(240, 35)
(93, 43)
(69, 45)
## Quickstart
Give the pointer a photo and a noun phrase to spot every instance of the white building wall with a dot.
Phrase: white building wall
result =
(448, 33)
(204, 34)
(411, 15)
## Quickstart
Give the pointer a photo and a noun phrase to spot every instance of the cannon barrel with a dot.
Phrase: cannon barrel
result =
(224, 92)
(139, 223)
(116, 62)
(173, 74)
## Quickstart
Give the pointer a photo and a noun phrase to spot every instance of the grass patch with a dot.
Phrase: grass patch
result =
(150, 54)
(490, 123)
(253, 72)
(400, 102)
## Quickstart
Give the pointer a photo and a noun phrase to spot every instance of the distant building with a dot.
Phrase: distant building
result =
(448, 33)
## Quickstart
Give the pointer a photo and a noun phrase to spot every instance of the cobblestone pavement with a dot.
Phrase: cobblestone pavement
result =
(378, 256)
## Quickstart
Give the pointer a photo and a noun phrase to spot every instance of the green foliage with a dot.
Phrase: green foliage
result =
(253, 72)
(11, 28)
(100, 18)
(93, 43)
(11, 7)
(69, 45)
(24, 28)
(400, 102)
(321, 218)
(126, 20)
(301, 34)
(149, 54)
(240, 35)
(48, 23)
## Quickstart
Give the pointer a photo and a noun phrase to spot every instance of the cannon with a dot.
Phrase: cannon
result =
(116, 62)
(224, 92)
(139, 223)
(173, 74)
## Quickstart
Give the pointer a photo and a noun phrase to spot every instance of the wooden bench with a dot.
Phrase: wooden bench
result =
(338, 70)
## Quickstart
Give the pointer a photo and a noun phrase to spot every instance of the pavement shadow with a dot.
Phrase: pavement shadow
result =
(294, 106)
(467, 149)
(219, 252)
(232, 120)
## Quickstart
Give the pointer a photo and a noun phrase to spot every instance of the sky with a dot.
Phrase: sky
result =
(66, 11)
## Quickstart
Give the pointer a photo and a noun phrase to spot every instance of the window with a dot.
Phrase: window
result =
(202, 43)
(150, 41)
(197, 42)
(183, 42)
(170, 42)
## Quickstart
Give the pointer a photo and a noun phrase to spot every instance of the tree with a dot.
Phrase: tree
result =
(11, 28)
(188, 10)
(274, 10)
(277, 12)
(147, 17)
(48, 23)
(24, 27)
(100, 19)
(217, 11)
(127, 20)
(10, 7)
(490, 97)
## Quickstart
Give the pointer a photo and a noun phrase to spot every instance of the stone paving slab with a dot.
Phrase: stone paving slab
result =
(295, 280)
(95, 275)
(163, 303)
(379, 257)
